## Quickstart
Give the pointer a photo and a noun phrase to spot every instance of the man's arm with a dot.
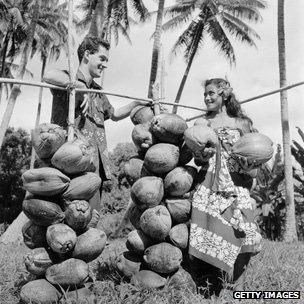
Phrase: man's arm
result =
(60, 78)
(125, 111)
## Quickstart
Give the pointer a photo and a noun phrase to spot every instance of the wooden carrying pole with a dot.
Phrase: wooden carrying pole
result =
(71, 74)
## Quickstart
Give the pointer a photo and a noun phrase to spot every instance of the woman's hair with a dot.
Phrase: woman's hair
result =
(232, 105)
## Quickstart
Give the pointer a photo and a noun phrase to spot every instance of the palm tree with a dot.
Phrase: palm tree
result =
(109, 18)
(290, 231)
(40, 18)
(216, 19)
(49, 44)
(156, 50)
(13, 32)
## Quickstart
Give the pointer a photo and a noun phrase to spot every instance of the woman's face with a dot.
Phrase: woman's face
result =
(213, 98)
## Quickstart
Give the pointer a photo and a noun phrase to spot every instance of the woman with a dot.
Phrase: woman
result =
(223, 235)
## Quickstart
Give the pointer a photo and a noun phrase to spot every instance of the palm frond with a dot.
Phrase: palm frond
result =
(239, 29)
(123, 31)
(220, 39)
(246, 3)
(246, 13)
(140, 10)
(197, 41)
(177, 21)
(183, 40)
(180, 8)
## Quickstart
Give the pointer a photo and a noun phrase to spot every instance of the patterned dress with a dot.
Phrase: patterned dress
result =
(222, 222)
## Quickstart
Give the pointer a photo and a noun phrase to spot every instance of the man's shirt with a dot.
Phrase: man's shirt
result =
(91, 126)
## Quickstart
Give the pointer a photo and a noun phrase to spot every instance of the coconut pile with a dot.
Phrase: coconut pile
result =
(161, 182)
(61, 230)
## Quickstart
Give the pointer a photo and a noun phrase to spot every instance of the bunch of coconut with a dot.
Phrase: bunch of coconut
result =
(161, 181)
(61, 230)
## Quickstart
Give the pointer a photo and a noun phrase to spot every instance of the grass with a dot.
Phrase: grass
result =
(279, 266)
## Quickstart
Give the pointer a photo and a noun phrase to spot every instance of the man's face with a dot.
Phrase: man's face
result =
(97, 62)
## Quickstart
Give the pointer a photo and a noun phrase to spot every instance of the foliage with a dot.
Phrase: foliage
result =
(214, 18)
(116, 192)
(269, 197)
(279, 266)
(50, 34)
(14, 160)
(297, 151)
(118, 17)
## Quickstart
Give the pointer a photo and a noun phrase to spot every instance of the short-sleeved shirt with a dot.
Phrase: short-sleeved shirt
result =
(91, 126)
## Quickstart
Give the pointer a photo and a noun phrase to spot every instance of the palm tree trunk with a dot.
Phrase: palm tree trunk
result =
(33, 154)
(98, 20)
(156, 46)
(23, 62)
(182, 84)
(4, 51)
(290, 232)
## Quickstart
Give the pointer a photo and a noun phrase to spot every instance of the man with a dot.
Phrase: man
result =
(91, 109)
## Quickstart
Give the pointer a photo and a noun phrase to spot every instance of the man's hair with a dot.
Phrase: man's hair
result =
(91, 44)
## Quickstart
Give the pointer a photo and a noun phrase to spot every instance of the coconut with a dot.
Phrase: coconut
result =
(147, 192)
(156, 222)
(78, 214)
(89, 245)
(161, 158)
(75, 157)
(82, 187)
(134, 170)
(142, 137)
(129, 264)
(68, 273)
(47, 138)
(41, 212)
(45, 181)
(179, 209)
(199, 137)
(39, 292)
(163, 258)
(61, 238)
(37, 261)
(179, 236)
(135, 214)
(148, 279)
(34, 236)
(182, 280)
(179, 181)
(255, 147)
(137, 241)
(168, 128)
(141, 115)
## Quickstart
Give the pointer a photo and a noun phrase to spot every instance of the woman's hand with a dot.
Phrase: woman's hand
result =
(208, 153)
(243, 162)
(201, 157)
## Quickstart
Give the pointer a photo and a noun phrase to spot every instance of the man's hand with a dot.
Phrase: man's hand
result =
(143, 103)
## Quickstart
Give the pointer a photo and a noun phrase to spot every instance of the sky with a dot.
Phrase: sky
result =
(256, 72)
